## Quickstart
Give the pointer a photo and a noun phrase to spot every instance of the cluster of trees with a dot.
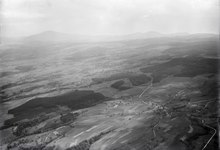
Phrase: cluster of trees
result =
(85, 145)
(27, 147)
(119, 85)
(140, 79)
(20, 129)
(68, 117)
(17, 143)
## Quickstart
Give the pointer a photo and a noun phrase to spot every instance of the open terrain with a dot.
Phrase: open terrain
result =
(156, 94)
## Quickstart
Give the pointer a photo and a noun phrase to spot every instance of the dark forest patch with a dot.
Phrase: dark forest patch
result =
(116, 76)
(25, 68)
(6, 73)
(190, 67)
(135, 79)
(119, 85)
(74, 100)
(139, 79)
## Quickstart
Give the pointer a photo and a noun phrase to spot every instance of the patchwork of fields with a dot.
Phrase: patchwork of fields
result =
(156, 94)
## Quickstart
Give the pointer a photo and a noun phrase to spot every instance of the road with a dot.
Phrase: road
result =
(211, 136)
(202, 101)
(203, 122)
(147, 88)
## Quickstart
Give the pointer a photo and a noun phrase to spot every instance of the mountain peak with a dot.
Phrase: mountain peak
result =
(49, 36)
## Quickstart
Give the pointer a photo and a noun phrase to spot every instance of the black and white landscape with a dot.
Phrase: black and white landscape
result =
(136, 91)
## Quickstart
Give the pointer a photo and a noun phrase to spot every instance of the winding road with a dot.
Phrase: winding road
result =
(211, 136)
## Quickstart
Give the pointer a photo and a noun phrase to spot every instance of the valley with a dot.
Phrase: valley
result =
(153, 94)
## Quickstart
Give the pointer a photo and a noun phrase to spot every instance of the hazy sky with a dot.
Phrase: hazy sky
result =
(94, 17)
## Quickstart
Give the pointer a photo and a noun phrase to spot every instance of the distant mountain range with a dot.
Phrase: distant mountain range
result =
(52, 36)
(56, 36)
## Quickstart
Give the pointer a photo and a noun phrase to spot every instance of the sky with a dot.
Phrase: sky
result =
(108, 17)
